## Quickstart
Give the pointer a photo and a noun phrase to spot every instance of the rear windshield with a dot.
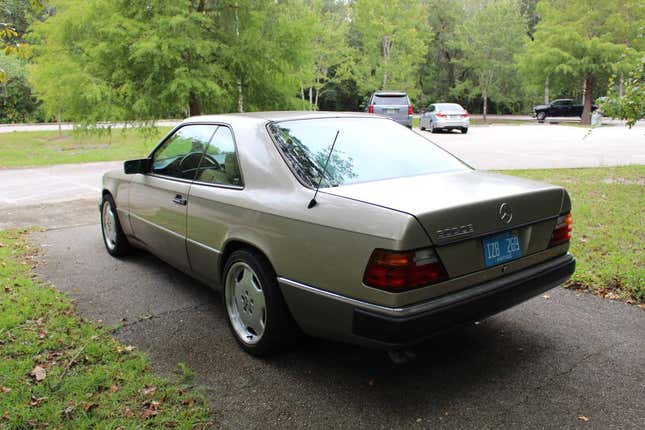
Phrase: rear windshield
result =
(449, 107)
(390, 100)
(367, 149)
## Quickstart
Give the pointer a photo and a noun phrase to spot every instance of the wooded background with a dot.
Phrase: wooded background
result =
(139, 60)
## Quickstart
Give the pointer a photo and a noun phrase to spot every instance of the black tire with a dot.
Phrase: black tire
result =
(280, 329)
(120, 245)
(464, 130)
(433, 129)
(422, 128)
(541, 116)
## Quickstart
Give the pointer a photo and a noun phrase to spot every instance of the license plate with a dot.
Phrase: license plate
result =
(501, 248)
(391, 110)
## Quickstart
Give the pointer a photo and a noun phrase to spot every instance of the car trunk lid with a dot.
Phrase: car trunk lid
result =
(458, 209)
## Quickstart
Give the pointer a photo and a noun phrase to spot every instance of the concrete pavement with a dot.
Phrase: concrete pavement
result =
(541, 365)
(544, 146)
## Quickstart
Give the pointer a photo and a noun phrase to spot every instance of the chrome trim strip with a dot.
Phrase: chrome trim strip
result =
(164, 229)
(201, 245)
(440, 302)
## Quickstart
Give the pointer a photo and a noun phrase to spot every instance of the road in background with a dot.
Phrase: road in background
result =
(543, 146)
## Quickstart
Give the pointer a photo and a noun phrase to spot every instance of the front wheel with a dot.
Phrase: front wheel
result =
(113, 236)
(464, 130)
(541, 116)
(257, 313)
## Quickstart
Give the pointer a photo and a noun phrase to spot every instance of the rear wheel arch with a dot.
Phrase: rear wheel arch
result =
(236, 244)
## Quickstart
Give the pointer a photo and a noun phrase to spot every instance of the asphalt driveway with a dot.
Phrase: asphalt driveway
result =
(563, 360)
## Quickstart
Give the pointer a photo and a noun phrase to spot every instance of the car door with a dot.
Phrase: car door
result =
(213, 208)
(159, 199)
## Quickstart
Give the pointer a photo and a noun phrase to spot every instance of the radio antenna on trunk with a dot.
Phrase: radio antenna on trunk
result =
(313, 201)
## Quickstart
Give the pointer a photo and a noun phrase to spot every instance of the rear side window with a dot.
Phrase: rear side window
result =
(390, 100)
(219, 165)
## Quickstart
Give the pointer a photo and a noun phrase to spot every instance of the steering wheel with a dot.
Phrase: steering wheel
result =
(185, 166)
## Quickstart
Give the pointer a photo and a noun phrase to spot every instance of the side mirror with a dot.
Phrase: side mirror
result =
(132, 167)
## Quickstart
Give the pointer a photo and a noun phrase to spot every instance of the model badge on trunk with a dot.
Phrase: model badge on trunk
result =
(505, 213)
(455, 231)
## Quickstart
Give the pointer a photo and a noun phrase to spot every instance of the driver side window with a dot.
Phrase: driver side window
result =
(180, 154)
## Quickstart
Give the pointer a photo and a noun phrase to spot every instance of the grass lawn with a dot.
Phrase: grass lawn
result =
(608, 227)
(59, 371)
(43, 148)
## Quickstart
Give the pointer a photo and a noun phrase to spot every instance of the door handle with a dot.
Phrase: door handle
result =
(180, 200)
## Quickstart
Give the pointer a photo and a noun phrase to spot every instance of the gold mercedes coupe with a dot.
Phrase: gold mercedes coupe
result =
(343, 226)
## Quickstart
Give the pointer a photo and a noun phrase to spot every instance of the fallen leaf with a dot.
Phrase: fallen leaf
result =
(546, 296)
(38, 373)
(170, 424)
(88, 407)
(67, 413)
(4, 389)
(583, 418)
(8, 290)
(150, 409)
(6, 416)
(149, 391)
(123, 349)
(114, 388)
(36, 401)
(188, 402)
(128, 413)
(642, 306)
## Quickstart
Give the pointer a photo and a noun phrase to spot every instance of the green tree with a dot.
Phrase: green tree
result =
(574, 43)
(438, 74)
(330, 56)
(392, 41)
(488, 41)
(629, 106)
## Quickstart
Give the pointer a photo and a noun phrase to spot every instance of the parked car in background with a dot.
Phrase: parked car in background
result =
(445, 116)
(393, 104)
(402, 240)
(559, 108)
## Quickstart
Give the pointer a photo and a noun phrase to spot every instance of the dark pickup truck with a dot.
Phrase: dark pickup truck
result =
(560, 107)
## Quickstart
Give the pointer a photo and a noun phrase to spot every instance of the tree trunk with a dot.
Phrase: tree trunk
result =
(60, 128)
(240, 93)
(485, 111)
(302, 93)
(194, 107)
(621, 86)
(587, 99)
(240, 96)
(387, 45)
(316, 99)
(546, 91)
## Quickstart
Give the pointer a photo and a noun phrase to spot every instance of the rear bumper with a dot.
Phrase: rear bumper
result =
(406, 122)
(453, 123)
(325, 314)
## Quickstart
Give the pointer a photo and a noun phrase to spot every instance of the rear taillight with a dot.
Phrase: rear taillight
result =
(410, 112)
(562, 230)
(370, 109)
(398, 271)
(441, 115)
(465, 115)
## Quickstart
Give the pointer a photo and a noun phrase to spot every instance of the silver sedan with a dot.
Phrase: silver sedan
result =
(445, 116)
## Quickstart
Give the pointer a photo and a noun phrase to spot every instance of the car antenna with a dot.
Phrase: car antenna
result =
(313, 201)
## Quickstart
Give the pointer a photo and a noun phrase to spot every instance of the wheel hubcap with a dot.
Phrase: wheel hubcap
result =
(109, 226)
(245, 303)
